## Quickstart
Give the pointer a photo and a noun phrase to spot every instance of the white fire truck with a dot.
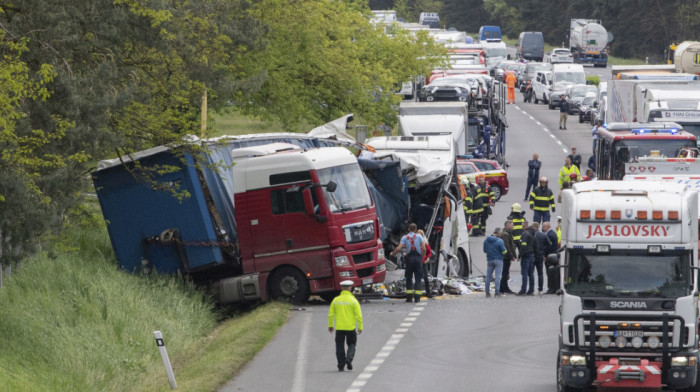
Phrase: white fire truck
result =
(629, 310)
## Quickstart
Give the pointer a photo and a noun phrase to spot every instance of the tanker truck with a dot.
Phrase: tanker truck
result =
(687, 57)
(587, 42)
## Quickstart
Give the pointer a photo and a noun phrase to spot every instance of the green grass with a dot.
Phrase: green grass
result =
(75, 322)
(593, 79)
(612, 60)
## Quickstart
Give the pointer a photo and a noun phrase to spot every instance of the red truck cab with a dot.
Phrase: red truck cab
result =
(306, 220)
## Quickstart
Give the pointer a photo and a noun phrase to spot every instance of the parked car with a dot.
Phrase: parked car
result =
(496, 176)
(588, 109)
(576, 93)
(449, 88)
(561, 55)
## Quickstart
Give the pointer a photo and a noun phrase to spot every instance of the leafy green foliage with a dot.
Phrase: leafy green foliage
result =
(97, 78)
(323, 60)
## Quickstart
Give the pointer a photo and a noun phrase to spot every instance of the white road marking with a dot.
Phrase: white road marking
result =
(531, 118)
(385, 351)
(299, 384)
(538, 123)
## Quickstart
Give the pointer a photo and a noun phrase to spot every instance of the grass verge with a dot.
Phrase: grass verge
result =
(75, 322)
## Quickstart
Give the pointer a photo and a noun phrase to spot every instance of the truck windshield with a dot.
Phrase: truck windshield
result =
(630, 150)
(629, 273)
(351, 192)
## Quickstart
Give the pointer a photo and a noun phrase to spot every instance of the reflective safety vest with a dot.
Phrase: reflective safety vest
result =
(518, 218)
(565, 173)
(468, 201)
(478, 202)
(541, 199)
(345, 311)
(485, 194)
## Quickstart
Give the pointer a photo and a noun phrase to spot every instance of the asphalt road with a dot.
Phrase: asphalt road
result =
(466, 343)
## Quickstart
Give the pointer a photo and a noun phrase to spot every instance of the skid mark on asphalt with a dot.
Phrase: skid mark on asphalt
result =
(545, 129)
(386, 350)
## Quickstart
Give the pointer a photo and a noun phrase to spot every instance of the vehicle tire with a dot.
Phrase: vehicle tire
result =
(536, 100)
(430, 98)
(328, 296)
(580, 120)
(544, 98)
(463, 265)
(497, 191)
(560, 379)
(289, 284)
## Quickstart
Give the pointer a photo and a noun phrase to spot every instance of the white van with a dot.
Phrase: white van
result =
(563, 76)
(540, 85)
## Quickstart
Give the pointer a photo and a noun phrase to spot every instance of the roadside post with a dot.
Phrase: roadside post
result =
(166, 360)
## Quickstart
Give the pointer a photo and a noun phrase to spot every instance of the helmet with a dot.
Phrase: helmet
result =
(480, 175)
(469, 178)
(543, 179)
(516, 207)
(573, 176)
(463, 179)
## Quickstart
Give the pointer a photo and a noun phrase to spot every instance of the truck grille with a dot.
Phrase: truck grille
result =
(675, 332)
(362, 258)
(365, 272)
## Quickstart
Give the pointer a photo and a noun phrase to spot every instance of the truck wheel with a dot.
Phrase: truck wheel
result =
(497, 191)
(580, 119)
(536, 100)
(463, 265)
(544, 98)
(560, 379)
(289, 284)
(328, 296)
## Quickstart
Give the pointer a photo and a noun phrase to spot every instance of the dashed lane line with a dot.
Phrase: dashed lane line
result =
(387, 349)
(545, 129)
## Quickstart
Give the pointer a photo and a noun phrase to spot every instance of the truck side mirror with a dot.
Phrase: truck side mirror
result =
(331, 186)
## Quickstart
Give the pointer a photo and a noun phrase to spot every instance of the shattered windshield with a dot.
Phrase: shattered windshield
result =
(629, 273)
(351, 192)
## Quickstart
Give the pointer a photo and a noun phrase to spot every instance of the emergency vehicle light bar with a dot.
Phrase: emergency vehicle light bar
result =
(638, 131)
(617, 215)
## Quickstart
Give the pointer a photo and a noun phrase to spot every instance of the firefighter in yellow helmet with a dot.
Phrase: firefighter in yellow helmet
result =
(517, 215)
(484, 195)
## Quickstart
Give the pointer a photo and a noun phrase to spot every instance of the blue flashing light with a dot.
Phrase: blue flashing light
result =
(578, 246)
(639, 131)
(679, 248)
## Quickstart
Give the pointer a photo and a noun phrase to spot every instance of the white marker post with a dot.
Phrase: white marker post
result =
(166, 360)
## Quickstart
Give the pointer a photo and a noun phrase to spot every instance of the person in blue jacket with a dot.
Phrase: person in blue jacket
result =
(495, 249)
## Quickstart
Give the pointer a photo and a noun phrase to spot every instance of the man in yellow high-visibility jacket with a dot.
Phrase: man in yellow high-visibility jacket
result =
(346, 314)
(567, 170)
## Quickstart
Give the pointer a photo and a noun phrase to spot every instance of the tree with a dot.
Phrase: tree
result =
(324, 60)
(129, 74)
